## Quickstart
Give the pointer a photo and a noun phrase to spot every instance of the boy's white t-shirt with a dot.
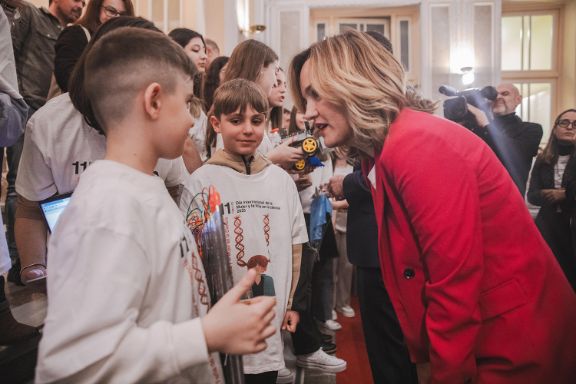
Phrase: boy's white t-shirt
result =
(263, 216)
(125, 282)
(59, 146)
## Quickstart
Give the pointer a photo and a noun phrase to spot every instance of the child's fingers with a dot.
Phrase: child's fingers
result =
(237, 291)
(263, 304)
(268, 331)
(259, 347)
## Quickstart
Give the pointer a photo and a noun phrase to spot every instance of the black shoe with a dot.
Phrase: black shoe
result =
(325, 338)
(329, 348)
(11, 331)
(14, 275)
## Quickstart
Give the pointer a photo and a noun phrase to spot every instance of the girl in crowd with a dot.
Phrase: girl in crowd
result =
(193, 44)
(195, 47)
(479, 295)
(547, 190)
(214, 77)
(73, 40)
(277, 96)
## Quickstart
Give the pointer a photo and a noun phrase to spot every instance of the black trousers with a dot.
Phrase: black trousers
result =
(388, 355)
(306, 339)
(262, 378)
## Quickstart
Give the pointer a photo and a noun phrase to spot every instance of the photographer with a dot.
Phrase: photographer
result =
(514, 141)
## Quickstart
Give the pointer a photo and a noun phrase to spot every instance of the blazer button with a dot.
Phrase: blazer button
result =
(409, 273)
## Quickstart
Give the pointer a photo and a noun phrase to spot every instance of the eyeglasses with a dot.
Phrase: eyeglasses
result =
(112, 12)
(565, 123)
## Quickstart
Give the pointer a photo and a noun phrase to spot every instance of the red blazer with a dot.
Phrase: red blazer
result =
(477, 291)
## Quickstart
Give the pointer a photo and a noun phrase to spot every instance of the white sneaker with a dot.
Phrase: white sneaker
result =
(334, 315)
(322, 361)
(347, 311)
(332, 325)
(285, 376)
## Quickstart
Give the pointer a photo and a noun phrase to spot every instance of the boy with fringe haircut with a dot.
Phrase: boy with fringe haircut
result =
(261, 209)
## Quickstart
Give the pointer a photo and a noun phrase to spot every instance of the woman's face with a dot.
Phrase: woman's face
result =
(566, 134)
(267, 78)
(277, 95)
(111, 9)
(196, 51)
(329, 120)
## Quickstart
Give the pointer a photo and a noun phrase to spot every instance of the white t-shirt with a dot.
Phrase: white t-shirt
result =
(125, 282)
(198, 135)
(263, 216)
(5, 262)
(559, 169)
(59, 146)
(319, 177)
(339, 216)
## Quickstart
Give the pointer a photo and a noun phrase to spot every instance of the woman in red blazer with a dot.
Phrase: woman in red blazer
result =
(479, 295)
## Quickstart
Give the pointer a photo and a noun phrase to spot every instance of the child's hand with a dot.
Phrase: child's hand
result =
(240, 327)
(284, 155)
(291, 320)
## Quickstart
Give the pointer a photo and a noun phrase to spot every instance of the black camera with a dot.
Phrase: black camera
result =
(456, 109)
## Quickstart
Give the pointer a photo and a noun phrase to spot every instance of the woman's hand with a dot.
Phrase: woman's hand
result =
(554, 195)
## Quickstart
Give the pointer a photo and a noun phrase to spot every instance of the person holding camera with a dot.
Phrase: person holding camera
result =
(514, 141)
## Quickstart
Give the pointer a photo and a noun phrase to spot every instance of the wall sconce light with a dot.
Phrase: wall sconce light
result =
(257, 28)
(253, 29)
(467, 75)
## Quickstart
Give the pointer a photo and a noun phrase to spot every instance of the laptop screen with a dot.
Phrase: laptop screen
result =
(53, 207)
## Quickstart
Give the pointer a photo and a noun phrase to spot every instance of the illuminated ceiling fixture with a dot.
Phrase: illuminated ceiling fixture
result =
(467, 75)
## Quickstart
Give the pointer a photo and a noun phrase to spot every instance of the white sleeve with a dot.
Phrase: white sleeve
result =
(91, 332)
(35, 181)
(299, 230)
(172, 172)
(198, 134)
(327, 171)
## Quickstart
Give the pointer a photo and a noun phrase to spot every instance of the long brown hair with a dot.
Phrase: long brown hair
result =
(247, 60)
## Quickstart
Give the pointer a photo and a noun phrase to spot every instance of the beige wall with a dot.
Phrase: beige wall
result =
(214, 11)
(567, 89)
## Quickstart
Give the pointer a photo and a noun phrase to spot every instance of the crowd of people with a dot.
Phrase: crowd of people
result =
(358, 181)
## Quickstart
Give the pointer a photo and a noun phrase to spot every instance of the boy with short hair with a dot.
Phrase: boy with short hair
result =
(128, 300)
(261, 209)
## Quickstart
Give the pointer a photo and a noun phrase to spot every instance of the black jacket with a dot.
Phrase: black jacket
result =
(361, 227)
(515, 142)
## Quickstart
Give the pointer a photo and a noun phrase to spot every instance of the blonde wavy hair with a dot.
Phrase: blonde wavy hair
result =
(357, 74)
